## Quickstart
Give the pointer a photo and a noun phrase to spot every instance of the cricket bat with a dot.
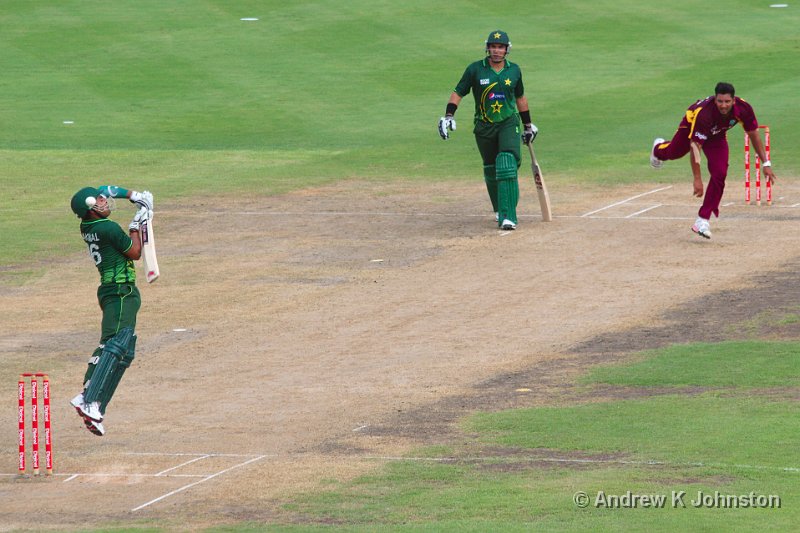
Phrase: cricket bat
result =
(541, 188)
(149, 258)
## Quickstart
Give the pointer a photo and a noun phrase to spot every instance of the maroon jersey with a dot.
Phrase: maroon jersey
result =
(706, 122)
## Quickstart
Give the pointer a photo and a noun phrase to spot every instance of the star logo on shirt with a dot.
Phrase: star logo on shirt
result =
(496, 107)
(508, 81)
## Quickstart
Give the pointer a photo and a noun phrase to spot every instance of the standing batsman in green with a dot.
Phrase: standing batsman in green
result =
(113, 252)
(500, 104)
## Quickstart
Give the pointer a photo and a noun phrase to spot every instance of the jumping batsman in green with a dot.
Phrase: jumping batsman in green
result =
(113, 252)
(500, 103)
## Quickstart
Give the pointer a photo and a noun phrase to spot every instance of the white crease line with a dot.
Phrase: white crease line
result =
(354, 214)
(645, 210)
(309, 214)
(197, 456)
(206, 477)
(190, 461)
(127, 474)
(623, 217)
(71, 477)
(181, 454)
(190, 485)
(471, 215)
(626, 200)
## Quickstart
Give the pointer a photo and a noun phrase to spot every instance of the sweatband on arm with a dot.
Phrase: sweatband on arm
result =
(112, 191)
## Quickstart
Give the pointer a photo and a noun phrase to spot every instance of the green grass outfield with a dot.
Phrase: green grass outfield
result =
(184, 98)
(737, 433)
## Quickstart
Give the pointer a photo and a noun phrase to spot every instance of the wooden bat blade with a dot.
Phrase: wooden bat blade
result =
(541, 188)
(149, 258)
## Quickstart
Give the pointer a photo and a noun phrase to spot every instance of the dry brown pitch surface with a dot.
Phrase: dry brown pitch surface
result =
(327, 329)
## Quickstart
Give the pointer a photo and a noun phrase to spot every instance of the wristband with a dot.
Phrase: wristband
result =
(525, 116)
(451, 109)
(766, 163)
(112, 191)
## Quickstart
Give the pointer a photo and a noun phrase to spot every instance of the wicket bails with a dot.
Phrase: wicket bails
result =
(48, 437)
(758, 170)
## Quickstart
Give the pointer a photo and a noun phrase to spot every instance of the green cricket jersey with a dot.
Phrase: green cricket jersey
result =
(107, 243)
(495, 93)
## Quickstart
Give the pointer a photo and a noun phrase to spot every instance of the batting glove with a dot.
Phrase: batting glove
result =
(142, 199)
(142, 215)
(446, 123)
(530, 133)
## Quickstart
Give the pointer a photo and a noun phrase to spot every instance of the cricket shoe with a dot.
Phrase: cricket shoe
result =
(87, 410)
(654, 161)
(507, 224)
(77, 402)
(96, 428)
(702, 227)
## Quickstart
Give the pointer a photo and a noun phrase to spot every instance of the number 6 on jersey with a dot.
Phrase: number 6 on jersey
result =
(149, 258)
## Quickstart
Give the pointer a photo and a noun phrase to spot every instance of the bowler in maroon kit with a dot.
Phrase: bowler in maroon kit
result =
(704, 127)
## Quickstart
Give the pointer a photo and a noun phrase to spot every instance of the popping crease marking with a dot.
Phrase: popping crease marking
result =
(626, 200)
(645, 210)
(195, 483)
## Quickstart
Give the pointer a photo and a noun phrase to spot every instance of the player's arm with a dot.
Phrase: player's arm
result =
(142, 199)
(694, 161)
(135, 250)
(529, 128)
(447, 123)
(758, 145)
(455, 99)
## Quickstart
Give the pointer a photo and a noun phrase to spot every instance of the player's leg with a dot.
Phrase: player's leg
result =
(120, 307)
(507, 165)
(115, 357)
(124, 363)
(716, 152)
(490, 177)
(507, 190)
(486, 139)
(114, 360)
(93, 360)
(675, 148)
(120, 304)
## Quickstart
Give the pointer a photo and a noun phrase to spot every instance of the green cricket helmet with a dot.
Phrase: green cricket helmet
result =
(498, 37)
(83, 200)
